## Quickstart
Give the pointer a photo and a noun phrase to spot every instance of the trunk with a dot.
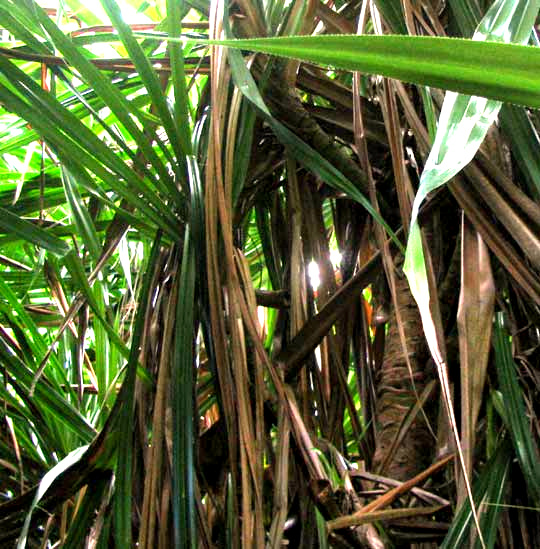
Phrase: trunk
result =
(398, 393)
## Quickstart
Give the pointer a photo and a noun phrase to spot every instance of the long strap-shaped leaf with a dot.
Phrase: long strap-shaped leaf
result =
(506, 72)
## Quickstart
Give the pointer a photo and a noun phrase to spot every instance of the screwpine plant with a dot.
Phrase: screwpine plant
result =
(269, 273)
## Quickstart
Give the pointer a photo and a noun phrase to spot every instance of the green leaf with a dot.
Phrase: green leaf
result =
(85, 517)
(514, 412)
(489, 488)
(83, 221)
(26, 230)
(125, 408)
(148, 76)
(456, 64)
(514, 120)
(517, 125)
(72, 458)
(49, 401)
(183, 389)
(76, 269)
(181, 99)
(392, 12)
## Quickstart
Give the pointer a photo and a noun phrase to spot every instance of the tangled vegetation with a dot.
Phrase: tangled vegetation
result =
(207, 338)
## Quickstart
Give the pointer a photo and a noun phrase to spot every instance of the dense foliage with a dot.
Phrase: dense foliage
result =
(206, 336)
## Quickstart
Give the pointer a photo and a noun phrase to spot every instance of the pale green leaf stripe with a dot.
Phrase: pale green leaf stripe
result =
(505, 72)
(13, 224)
